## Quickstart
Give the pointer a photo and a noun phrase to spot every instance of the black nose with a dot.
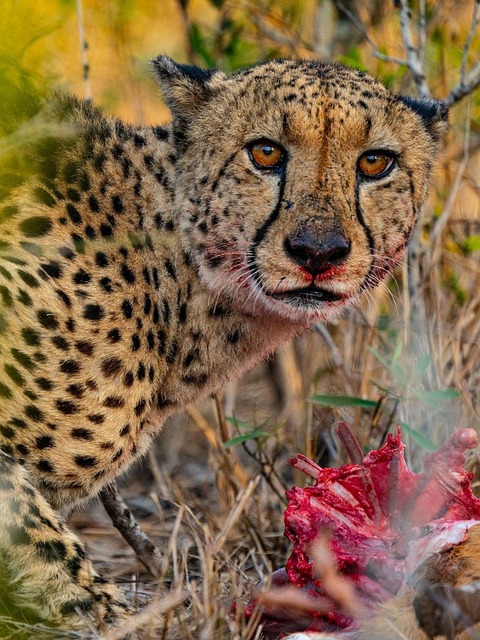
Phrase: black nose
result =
(317, 253)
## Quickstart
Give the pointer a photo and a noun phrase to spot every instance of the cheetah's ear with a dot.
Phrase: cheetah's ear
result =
(434, 114)
(186, 88)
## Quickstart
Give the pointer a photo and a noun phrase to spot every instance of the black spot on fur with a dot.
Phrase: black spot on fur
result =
(52, 269)
(70, 366)
(111, 366)
(47, 319)
(140, 407)
(114, 402)
(35, 226)
(129, 379)
(67, 407)
(6, 296)
(85, 462)
(101, 260)
(28, 279)
(44, 442)
(73, 213)
(7, 432)
(33, 412)
(76, 390)
(73, 195)
(150, 340)
(106, 230)
(127, 274)
(85, 347)
(5, 391)
(117, 204)
(170, 269)
(90, 232)
(114, 336)
(60, 343)
(14, 374)
(18, 535)
(81, 277)
(43, 196)
(6, 274)
(44, 383)
(93, 312)
(23, 359)
(31, 336)
(63, 296)
(93, 204)
(127, 309)
(82, 434)
(24, 298)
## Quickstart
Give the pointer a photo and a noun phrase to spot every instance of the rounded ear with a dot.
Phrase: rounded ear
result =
(186, 88)
(434, 114)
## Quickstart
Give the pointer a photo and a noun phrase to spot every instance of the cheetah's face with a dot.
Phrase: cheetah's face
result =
(299, 183)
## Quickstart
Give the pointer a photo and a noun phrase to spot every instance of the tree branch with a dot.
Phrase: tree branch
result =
(412, 53)
(356, 22)
(83, 52)
(148, 554)
(468, 81)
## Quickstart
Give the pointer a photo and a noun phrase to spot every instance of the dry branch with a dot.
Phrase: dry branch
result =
(122, 518)
(83, 52)
(361, 27)
(468, 81)
(411, 51)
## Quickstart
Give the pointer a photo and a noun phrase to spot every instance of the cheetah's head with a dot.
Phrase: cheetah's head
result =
(299, 182)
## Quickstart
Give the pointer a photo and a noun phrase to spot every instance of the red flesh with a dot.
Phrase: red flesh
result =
(382, 517)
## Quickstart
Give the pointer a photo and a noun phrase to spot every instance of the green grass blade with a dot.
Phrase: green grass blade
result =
(343, 401)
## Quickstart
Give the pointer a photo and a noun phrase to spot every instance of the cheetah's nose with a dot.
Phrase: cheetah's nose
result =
(317, 253)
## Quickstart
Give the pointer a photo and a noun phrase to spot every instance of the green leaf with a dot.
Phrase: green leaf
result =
(437, 396)
(343, 401)
(418, 437)
(421, 366)
(245, 437)
(199, 45)
(472, 243)
(386, 390)
(395, 368)
(239, 423)
(398, 351)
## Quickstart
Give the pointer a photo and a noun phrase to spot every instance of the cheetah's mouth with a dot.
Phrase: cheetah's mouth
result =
(308, 294)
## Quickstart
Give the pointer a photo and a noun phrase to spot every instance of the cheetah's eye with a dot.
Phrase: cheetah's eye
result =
(375, 164)
(266, 154)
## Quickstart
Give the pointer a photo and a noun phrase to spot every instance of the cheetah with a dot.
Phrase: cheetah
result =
(142, 267)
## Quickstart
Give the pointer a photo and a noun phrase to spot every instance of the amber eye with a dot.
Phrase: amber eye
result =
(266, 154)
(375, 164)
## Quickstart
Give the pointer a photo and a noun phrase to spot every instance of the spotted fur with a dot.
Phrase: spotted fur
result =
(140, 268)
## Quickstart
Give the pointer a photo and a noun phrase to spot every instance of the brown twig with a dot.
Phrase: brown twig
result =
(411, 51)
(123, 520)
(187, 26)
(441, 222)
(83, 52)
(468, 82)
(361, 27)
